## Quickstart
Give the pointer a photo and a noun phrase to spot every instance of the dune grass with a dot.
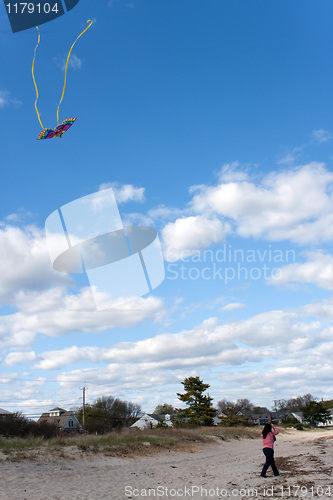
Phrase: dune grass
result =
(128, 442)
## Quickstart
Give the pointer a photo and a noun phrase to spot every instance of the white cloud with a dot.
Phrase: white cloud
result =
(126, 192)
(3, 99)
(230, 172)
(74, 62)
(293, 205)
(7, 100)
(55, 312)
(287, 159)
(185, 236)
(296, 348)
(208, 344)
(160, 214)
(232, 306)
(17, 357)
(25, 263)
(320, 136)
(318, 270)
(323, 309)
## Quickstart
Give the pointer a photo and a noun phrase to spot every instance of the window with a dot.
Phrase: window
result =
(70, 423)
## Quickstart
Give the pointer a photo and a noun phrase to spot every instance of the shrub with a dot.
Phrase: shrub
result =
(17, 425)
(14, 425)
(43, 429)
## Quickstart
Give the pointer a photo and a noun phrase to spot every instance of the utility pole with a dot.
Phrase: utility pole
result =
(83, 408)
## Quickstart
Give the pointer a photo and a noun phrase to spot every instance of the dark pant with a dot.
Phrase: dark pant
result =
(269, 454)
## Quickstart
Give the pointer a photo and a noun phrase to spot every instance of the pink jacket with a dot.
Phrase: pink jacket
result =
(268, 441)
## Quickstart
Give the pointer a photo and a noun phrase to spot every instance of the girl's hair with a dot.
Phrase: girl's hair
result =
(266, 430)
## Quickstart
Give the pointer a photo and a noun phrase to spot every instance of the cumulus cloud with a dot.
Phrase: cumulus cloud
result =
(56, 312)
(298, 346)
(185, 236)
(299, 352)
(322, 309)
(208, 344)
(126, 192)
(293, 205)
(230, 172)
(318, 270)
(18, 357)
(25, 263)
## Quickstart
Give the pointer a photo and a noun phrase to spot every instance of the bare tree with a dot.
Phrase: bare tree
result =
(224, 404)
(243, 405)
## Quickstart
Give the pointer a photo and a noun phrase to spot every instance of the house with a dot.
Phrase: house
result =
(65, 420)
(277, 417)
(329, 421)
(217, 419)
(151, 420)
(256, 418)
(220, 416)
(298, 415)
(3, 412)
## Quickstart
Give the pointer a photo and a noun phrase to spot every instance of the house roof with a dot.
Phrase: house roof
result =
(255, 416)
(5, 412)
(155, 416)
(58, 420)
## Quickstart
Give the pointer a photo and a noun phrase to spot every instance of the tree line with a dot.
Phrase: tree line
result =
(109, 413)
(200, 410)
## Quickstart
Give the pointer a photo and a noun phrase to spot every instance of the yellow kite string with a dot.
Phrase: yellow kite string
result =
(33, 76)
(69, 54)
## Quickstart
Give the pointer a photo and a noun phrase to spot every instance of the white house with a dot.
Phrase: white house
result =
(3, 412)
(64, 419)
(298, 415)
(151, 420)
(329, 421)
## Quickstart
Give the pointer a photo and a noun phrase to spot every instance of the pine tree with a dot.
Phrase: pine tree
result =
(200, 410)
(315, 412)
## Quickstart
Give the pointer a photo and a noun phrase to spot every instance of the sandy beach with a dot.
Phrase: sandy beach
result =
(223, 469)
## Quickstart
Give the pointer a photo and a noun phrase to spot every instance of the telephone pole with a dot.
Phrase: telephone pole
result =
(83, 408)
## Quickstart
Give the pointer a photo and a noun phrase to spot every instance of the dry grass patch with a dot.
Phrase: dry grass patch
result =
(125, 443)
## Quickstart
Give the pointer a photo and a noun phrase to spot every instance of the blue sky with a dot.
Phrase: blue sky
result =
(212, 121)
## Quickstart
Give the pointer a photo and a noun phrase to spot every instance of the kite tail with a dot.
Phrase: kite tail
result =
(33, 76)
(69, 54)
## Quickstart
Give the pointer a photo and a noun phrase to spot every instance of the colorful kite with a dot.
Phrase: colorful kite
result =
(48, 133)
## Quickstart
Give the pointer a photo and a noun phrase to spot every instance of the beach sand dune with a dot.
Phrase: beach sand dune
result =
(223, 469)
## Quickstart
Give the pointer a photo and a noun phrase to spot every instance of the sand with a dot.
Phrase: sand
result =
(223, 469)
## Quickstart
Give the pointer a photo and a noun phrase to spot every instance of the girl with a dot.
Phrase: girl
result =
(268, 437)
